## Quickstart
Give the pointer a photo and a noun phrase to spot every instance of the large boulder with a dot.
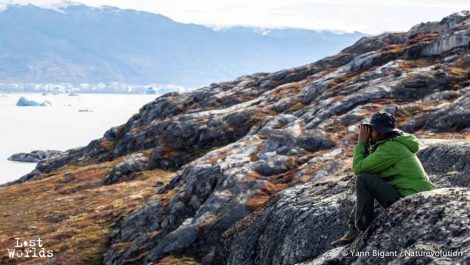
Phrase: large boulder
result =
(448, 165)
(426, 228)
(298, 223)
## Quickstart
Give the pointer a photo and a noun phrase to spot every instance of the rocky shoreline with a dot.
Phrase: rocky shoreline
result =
(35, 156)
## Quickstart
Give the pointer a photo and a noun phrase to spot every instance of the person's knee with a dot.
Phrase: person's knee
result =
(363, 177)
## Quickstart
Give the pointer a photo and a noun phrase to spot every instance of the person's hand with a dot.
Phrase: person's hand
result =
(364, 133)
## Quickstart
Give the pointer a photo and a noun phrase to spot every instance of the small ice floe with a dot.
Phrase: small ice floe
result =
(24, 102)
(151, 91)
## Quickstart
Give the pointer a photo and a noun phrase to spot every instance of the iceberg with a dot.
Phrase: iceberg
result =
(24, 102)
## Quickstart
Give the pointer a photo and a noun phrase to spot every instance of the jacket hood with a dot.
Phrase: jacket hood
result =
(409, 140)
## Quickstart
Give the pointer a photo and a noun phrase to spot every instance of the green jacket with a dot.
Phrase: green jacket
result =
(395, 160)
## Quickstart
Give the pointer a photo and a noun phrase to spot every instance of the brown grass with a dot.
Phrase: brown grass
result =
(72, 215)
(442, 135)
(107, 145)
(395, 49)
(172, 260)
(295, 107)
(457, 72)
(341, 80)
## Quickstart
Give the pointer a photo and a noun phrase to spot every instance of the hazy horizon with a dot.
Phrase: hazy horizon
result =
(333, 15)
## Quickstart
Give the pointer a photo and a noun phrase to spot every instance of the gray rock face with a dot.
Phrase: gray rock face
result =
(314, 140)
(35, 156)
(209, 199)
(274, 166)
(446, 23)
(426, 228)
(299, 223)
(175, 141)
(180, 222)
(435, 160)
(363, 61)
(124, 170)
(459, 39)
(451, 117)
(313, 91)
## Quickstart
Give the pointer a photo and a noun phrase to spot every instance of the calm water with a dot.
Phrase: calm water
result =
(60, 126)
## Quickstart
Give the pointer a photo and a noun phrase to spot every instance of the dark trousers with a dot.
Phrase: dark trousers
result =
(368, 188)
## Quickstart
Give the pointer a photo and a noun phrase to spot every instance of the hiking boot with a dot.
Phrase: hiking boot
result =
(348, 238)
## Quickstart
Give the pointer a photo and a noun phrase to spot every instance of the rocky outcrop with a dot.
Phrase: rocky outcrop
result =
(300, 223)
(451, 116)
(449, 22)
(35, 156)
(209, 197)
(261, 134)
(427, 228)
(455, 40)
(126, 169)
(436, 160)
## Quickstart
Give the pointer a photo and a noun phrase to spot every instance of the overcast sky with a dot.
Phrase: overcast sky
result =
(367, 16)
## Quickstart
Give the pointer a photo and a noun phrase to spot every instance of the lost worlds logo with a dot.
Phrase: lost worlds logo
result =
(33, 248)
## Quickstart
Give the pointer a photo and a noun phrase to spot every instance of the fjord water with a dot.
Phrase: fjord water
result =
(60, 126)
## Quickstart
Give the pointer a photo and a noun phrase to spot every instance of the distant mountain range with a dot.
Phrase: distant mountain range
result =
(81, 44)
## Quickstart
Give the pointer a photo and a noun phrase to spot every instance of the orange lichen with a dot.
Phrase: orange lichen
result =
(207, 222)
(253, 175)
(426, 37)
(257, 200)
(271, 188)
(222, 154)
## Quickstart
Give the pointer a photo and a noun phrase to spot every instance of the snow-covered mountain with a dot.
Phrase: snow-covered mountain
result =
(78, 43)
